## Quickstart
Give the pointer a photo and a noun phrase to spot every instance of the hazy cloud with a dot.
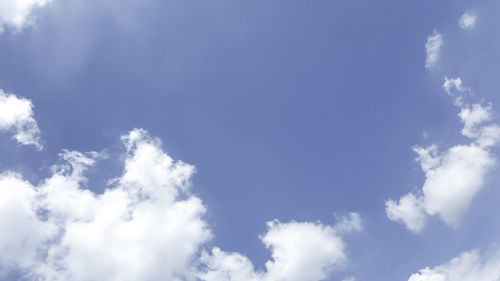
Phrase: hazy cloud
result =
(433, 49)
(17, 14)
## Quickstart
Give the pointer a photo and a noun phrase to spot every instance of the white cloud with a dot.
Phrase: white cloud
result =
(467, 21)
(300, 251)
(454, 84)
(469, 266)
(455, 89)
(18, 214)
(473, 116)
(452, 177)
(16, 116)
(433, 49)
(146, 226)
(17, 13)
(408, 211)
(139, 229)
(454, 180)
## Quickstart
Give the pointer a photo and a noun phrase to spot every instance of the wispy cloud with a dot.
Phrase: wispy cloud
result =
(433, 49)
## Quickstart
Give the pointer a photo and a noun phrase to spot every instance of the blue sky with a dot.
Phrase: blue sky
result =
(291, 110)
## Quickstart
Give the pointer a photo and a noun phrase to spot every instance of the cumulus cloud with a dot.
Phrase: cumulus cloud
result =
(26, 232)
(147, 225)
(300, 251)
(17, 13)
(452, 177)
(433, 49)
(141, 228)
(16, 116)
(467, 21)
(469, 266)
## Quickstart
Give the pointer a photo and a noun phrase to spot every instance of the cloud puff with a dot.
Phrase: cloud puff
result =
(16, 116)
(433, 49)
(467, 21)
(408, 210)
(147, 225)
(16, 13)
(455, 176)
(469, 266)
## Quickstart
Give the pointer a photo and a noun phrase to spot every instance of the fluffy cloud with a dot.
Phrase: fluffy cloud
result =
(455, 176)
(300, 252)
(16, 13)
(16, 116)
(433, 49)
(467, 21)
(146, 226)
(469, 266)
(138, 229)
(26, 232)
(408, 210)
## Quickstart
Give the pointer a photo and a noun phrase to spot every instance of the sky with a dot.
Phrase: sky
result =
(249, 140)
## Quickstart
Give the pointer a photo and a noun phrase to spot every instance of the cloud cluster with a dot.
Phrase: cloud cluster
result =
(146, 226)
(469, 266)
(452, 177)
(16, 116)
(17, 13)
(433, 49)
